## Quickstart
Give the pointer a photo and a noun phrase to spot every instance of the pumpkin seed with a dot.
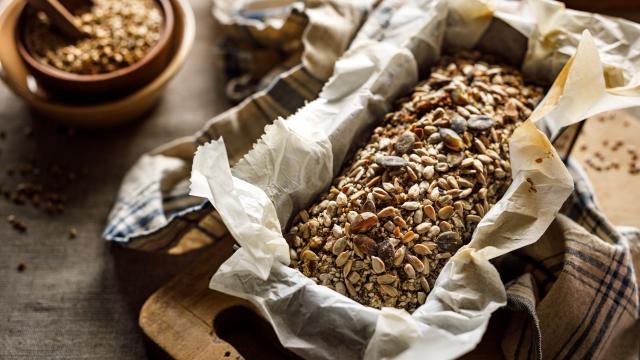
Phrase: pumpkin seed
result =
(391, 162)
(480, 122)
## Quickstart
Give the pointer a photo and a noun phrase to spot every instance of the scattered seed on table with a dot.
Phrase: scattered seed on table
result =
(16, 223)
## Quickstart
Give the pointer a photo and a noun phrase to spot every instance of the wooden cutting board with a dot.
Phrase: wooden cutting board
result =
(190, 321)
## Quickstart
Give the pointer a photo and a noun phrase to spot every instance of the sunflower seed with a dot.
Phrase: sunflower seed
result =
(418, 216)
(473, 218)
(444, 226)
(339, 246)
(398, 257)
(424, 285)
(352, 291)
(342, 258)
(377, 264)
(309, 255)
(380, 194)
(410, 205)
(414, 191)
(389, 211)
(364, 222)
(408, 269)
(386, 279)
(428, 172)
(417, 264)
(451, 139)
(423, 227)
(442, 167)
(354, 277)
(409, 237)
(422, 297)
(430, 212)
(336, 231)
(511, 110)
(346, 269)
(434, 231)
(421, 249)
(445, 212)
(389, 290)
(341, 200)
(399, 221)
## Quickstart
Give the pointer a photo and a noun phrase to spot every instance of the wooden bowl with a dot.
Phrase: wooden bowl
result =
(18, 78)
(81, 87)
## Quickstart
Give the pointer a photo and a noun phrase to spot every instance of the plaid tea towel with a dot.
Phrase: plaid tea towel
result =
(574, 294)
(153, 210)
(260, 44)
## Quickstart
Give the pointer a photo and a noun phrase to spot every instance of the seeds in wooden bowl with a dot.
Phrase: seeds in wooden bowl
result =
(120, 33)
(414, 193)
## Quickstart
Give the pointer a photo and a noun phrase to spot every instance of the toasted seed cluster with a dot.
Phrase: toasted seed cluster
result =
(33, 182)
(120, 33)
(413, 194)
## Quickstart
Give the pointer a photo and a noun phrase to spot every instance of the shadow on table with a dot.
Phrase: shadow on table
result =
(139, 274)
(250, 334)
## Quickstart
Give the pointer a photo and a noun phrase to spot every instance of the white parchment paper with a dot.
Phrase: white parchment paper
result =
(297, 158)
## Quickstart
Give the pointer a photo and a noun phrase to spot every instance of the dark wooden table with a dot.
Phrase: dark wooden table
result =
(80, 298)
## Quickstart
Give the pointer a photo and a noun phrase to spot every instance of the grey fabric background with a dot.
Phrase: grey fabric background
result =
(80, 298)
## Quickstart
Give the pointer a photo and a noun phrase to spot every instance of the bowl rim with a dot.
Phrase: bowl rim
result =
(53, 72)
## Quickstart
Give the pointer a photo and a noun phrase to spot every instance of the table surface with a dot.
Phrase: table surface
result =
(81, 297)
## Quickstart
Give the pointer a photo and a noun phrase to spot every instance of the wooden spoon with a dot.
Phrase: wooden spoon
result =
(60, 17)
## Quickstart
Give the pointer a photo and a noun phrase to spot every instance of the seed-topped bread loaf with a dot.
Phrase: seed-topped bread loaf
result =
(414, 193)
